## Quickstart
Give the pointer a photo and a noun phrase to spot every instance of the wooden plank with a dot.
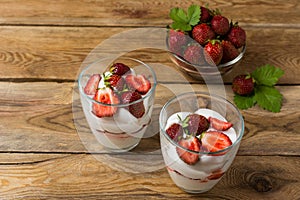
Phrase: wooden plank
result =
(141, 13)
(56, 53)
(263, 177)
(44, 122)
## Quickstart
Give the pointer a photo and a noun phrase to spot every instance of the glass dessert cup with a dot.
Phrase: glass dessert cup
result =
(122, 131)
(206, 172)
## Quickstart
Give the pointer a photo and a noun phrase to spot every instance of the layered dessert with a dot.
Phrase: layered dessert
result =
(118, 106)
(197, 148)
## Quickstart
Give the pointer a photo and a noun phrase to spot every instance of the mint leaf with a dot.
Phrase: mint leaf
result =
(268, 98)
(267, 75)
(244, 102)
(194, 12)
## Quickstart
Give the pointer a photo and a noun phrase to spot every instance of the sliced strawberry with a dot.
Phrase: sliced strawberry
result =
(136, 109)
(175, 131)
(213, 141)
(106, 96)
(138, 82)
(215, 174)
(92, 84)
(116, 81)
(192, 143)
(219, 124)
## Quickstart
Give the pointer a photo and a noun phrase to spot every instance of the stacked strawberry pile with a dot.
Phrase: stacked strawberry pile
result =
(202, 28)
(198, 133)
(119, 85)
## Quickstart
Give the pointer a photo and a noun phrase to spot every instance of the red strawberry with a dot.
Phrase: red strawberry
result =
(214, 51)
(106, 96)
(220, 24)
(243, 85)
(202, 33)
(219, 124)
(192, 143)
(116, 82)
(92, 84)
(175, 131)
(196, 124)
(194, 54)
(229, 51)
(177, 41)
(136, 109)
(205, 15)
(119, 69)
(138, 82)
(237, 36)
(213, 141)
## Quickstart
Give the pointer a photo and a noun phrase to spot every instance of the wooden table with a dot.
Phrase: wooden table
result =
(42, 46)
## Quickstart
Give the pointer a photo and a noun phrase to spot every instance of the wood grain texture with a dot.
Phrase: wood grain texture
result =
(42, 120)
(56, 53)
(53, 177)
(142, 13)
(42, 154)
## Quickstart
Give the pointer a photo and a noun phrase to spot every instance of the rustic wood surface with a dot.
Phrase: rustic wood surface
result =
(42, 156)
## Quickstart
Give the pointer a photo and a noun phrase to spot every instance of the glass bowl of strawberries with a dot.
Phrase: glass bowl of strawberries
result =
(203, 43)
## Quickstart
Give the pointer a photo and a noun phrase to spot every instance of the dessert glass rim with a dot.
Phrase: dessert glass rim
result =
(152, 89)
(162, 129)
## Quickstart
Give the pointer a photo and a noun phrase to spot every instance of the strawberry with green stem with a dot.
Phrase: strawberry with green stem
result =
(213, 51)
(220, 24)
(236, 35)
(264, 93)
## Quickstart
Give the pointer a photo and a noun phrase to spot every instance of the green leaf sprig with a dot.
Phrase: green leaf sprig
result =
(185, 20)
(265, 94)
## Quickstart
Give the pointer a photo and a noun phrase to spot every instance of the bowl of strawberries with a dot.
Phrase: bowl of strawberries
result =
(204, 43)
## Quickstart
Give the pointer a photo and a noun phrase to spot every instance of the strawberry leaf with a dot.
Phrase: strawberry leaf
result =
(179, 17)
(181, 26)
(268, 98)
(267, 75)
(244, 102)
(184, 21)
(194, 12)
